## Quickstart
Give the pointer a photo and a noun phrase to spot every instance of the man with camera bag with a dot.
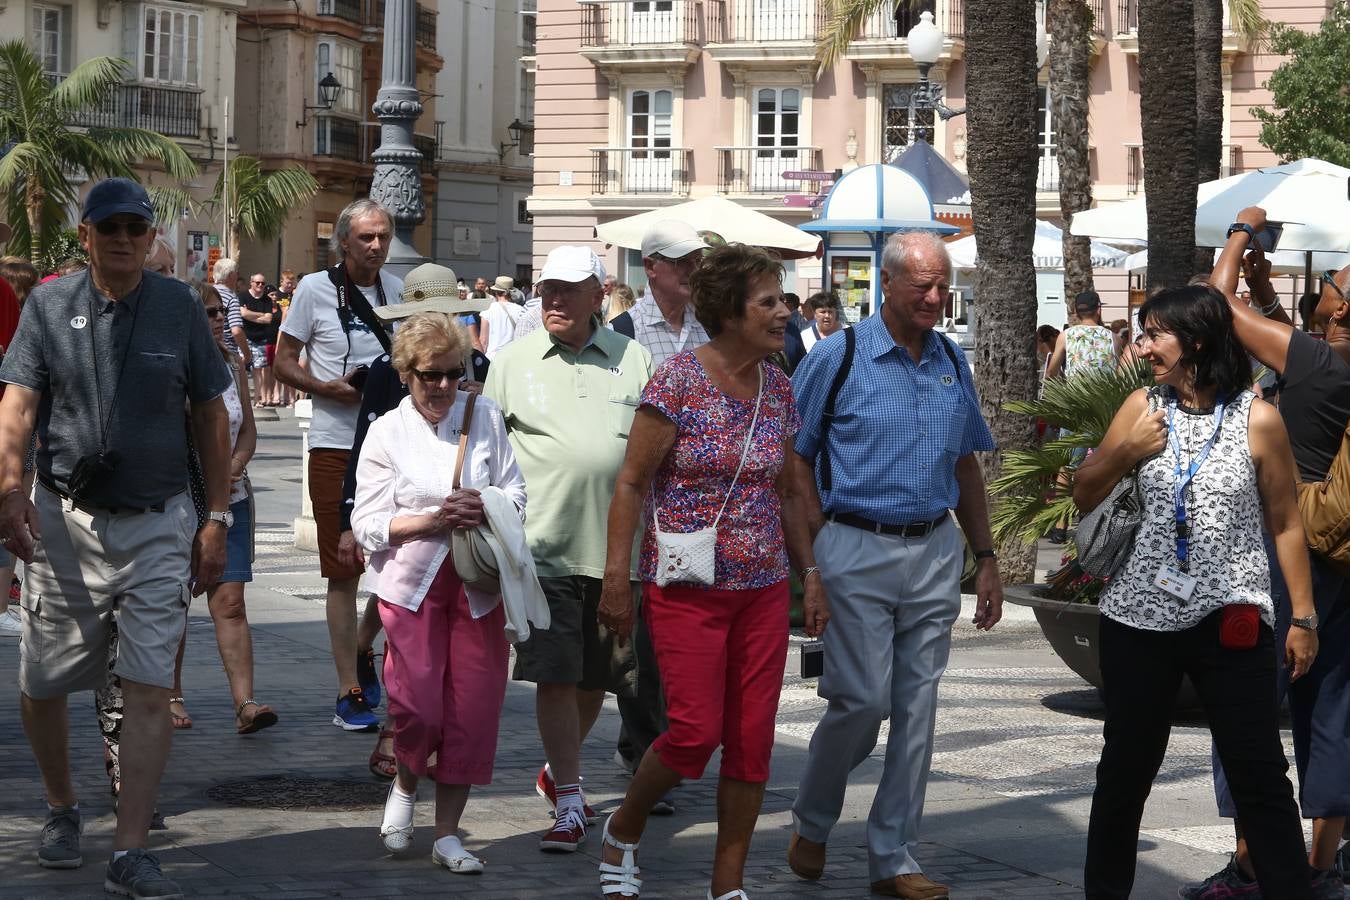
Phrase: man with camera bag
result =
(111, 525)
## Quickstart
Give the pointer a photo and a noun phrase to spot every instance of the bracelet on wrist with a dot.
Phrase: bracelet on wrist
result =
(807, 572)
(1267, 310)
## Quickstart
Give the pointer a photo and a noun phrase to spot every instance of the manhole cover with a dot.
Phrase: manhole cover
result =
(295, 792)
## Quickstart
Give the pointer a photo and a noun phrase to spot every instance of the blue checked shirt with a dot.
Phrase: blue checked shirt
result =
(899, 428)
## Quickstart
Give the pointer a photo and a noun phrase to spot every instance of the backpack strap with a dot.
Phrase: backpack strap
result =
(827, 416)
(352, 300)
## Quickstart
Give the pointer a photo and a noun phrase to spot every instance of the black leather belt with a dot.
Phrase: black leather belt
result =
(50, 485)
(912, 530)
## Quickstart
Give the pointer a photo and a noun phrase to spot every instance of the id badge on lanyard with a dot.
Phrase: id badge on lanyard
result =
(1176, 580)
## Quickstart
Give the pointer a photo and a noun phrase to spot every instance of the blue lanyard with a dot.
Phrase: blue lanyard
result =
(1185, 476)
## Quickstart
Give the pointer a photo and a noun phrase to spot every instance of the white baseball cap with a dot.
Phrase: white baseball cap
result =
(672, 239)
(572, 264)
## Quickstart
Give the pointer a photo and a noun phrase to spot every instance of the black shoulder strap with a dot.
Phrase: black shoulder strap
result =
(951, 354)
(353, 300)
(827, 416)
(623, 324)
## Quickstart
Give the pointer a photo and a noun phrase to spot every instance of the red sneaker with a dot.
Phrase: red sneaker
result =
(568, 833)
(544, 787)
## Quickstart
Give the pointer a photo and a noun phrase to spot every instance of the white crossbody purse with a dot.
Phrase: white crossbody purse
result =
(691, 556)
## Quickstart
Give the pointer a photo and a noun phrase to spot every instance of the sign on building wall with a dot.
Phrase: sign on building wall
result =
(466, 241)
(196, 256)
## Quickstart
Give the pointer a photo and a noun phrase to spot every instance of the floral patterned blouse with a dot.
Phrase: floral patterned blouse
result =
(692, 481)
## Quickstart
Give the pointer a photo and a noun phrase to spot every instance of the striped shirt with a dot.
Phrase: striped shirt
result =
(233, 318)
(651, 330)
(899, 428)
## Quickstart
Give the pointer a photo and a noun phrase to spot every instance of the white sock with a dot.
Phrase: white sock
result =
(398, 808)
(450, 847)
(75, 806)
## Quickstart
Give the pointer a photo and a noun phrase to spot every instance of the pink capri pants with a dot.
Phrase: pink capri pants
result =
(445, 674)
(721, 655)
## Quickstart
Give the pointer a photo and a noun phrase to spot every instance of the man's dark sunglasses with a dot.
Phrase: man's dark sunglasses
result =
(434, 376)
(213, 311)
(108, 228)
(1329, 280)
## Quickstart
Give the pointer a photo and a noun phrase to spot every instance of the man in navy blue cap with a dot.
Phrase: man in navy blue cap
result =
(110, 528)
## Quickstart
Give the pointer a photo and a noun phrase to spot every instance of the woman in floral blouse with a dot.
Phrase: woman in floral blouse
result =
(720, 648)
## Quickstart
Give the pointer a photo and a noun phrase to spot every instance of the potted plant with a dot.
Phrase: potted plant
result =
(1035, 490)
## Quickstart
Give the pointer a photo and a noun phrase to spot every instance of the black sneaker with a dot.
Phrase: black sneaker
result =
(137, 875)
(367, 676)
(1343, 863)
(1326, 884)
(60, 842)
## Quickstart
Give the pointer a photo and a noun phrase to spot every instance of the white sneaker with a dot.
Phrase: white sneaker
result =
(10, 623)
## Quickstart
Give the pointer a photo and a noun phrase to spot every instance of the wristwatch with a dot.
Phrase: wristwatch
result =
(225, 518)
(985, 554)
(1308, 622)
(1241, 226)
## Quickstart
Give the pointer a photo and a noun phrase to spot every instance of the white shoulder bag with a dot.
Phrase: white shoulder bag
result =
(691, 556)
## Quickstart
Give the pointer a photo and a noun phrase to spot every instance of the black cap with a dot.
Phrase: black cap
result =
(117, 195)
(1087, 300)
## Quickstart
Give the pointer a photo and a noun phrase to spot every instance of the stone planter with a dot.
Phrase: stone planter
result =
(1071, 630)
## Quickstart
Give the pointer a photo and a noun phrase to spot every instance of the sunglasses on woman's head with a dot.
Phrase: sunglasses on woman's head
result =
(135, 229)
(213, 311)
(435, 376)
(1329, 279)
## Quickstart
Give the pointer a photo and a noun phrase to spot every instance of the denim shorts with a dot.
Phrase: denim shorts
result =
(239, 545)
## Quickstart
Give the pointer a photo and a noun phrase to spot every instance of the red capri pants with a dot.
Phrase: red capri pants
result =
(721, 655)
(445, 674)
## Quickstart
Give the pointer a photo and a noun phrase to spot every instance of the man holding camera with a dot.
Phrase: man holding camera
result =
(111, 525)
(332, 318)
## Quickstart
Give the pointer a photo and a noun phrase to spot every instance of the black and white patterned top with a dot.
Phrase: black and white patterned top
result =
(1223, 506)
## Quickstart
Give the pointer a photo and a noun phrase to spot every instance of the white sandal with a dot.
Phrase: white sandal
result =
(737, 894)
(621, 879)
(455, 858)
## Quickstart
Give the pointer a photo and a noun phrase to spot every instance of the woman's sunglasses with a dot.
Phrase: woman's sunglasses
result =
(135, 229)
(436, 376)
(1329, 280)
(214, 311)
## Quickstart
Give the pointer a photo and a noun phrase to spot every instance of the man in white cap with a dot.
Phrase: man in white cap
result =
(568, 393)
(663, 320)
(499, 319)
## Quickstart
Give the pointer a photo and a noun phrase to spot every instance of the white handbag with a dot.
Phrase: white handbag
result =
(691, 556)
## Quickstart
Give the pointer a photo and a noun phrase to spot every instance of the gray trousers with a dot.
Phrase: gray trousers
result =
(893, 601)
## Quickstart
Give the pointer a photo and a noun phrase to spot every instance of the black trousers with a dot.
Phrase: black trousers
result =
(642, 715)
(1141, 672)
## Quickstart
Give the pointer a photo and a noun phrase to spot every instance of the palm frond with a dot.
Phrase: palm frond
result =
(262, 202)
(843, 20)
(122, 147)
(1086, 403)
(90, 85)
(1245, 18)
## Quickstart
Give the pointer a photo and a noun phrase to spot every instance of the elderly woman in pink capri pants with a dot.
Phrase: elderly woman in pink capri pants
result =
(445, 650)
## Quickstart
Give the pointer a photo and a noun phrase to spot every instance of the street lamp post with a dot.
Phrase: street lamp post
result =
(397, 184)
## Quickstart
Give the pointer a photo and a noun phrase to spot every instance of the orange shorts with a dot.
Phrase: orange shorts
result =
(327, 468)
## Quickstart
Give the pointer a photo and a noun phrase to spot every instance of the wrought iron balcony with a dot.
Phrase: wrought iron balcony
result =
(1134, 168)
(639, 170)
(341, 139)
(1047, 169)
(429, 147)
(1127, 16)
(766, 21)
(759, 170)
(350, 10)
(1099, 17)
(426, 28)
(1231, 161)
(175, 112)
(888, 24)
(636, 23)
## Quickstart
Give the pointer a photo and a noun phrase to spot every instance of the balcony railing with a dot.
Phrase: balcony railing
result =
(949, 15)
(1047, 170)
(341, 139)
(1127, 16)
(759, 170)
(430, 150)
(349, 10)
(1134, 168)
(610, 23)
(636, 170)
(175, 112)
(1099, 17)
(767, 20)
(1231, 161)
(426, 27)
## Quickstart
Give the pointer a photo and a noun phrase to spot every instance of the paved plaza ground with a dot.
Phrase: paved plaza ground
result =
(292, 812)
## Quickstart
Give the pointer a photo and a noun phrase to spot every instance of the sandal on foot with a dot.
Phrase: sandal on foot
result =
(737, 894)
(263, 717)
(621, 879)
(382, 765)
(183, 721)
(449, 852)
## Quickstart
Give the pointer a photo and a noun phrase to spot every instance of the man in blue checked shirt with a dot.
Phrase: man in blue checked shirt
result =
(895, 459)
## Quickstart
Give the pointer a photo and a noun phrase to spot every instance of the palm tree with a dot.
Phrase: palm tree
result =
(260, 202)
(1069, 23)
(1167, 115)
(43, 144)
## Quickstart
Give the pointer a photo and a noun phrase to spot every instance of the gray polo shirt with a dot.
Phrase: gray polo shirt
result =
(68, 332)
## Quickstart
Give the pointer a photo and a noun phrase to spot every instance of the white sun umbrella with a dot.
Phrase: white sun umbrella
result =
(1309, 196)
(735, 223)
(1283, 262)
(1047, 250)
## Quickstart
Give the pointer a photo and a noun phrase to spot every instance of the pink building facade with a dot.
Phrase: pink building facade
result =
(648, 103)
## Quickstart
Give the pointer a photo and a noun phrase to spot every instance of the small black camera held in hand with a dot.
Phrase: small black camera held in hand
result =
(813, 659)
(91, 472)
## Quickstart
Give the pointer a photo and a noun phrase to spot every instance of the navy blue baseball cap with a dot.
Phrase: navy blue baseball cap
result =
(117, 195)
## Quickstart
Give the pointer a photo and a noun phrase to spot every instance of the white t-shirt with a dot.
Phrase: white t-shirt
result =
(313, 321)
(501, 321)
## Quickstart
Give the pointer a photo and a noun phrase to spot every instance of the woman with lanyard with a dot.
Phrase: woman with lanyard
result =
(1313, 396)
(1193, 598)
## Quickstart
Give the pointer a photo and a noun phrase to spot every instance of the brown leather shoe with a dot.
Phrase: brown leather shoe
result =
(916, 886)
(806, 858)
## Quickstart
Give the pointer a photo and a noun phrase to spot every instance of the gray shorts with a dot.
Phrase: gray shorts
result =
(576, 648)
(85, 568)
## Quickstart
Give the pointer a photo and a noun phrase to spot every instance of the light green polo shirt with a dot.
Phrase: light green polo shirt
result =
(567, 417)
